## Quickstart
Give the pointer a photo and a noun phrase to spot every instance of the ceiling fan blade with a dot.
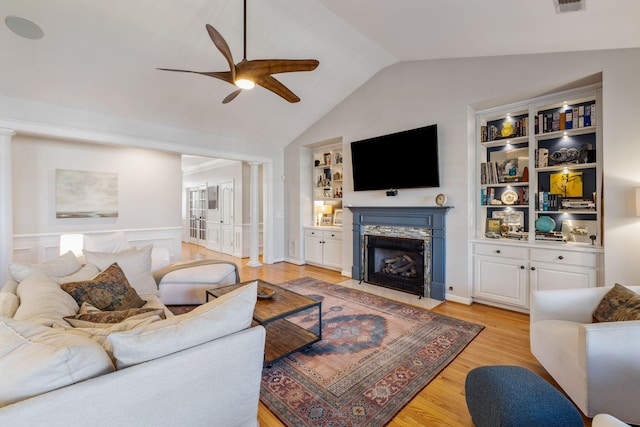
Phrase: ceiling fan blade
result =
(223, 47)
(270, 83)
(231, 96)
(222, 75)
(259, 67)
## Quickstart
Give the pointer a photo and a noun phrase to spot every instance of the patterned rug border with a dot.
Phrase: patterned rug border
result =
(418, 381)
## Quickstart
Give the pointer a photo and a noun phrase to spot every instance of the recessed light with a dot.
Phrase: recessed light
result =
(24, 28)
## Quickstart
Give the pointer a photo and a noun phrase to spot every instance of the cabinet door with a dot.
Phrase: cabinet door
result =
(332, 250)
(313, 247)
(553, 276)
(501, 279)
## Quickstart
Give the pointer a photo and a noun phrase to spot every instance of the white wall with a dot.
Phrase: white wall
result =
(448, 92)
(149, 185)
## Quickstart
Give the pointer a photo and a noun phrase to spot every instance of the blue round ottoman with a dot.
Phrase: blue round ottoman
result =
(513, 396)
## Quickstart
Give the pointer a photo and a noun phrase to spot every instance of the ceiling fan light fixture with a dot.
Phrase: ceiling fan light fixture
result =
(245, 83)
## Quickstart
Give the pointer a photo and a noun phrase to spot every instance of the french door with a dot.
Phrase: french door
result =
(197, 206)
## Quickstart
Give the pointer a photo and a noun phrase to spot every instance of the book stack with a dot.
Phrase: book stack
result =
(553, 236)
(549, 202)
(490, 173)
(571, 118)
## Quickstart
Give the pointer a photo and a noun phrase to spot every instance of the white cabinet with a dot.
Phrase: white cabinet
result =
(561, 269)
(323, 247)
(505, 274)
(501, 274)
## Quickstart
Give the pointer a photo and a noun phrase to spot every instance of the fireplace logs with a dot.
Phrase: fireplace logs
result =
(401, 265)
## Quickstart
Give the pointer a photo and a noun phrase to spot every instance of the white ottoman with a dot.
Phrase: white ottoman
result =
(186, 283)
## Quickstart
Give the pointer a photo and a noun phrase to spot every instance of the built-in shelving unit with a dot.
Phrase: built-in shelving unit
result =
(539, 196)
(327, 182)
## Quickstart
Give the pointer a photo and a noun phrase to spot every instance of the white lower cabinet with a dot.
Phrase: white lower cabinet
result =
(506, 274)
(323, 247)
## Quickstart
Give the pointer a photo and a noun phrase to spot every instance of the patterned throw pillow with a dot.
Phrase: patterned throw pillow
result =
(618, 304)
(108, 291)
(98, 319)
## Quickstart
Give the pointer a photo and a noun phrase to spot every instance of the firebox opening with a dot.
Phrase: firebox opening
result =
(396, 263)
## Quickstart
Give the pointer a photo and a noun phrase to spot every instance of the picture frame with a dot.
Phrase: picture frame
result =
(513, 219)
(327, 219)
(492, 227)
(337, 217)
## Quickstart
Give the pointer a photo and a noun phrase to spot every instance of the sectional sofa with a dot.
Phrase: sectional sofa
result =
(82, 344)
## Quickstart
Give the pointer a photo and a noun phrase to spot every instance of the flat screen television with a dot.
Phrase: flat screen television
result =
(407, 159)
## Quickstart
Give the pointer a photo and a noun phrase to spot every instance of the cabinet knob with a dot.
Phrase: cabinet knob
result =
(333, 235)
(522, 267)
(533, 268)
(498, 251)
(560, 257)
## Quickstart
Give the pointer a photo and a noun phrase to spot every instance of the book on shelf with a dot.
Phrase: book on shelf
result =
(549, 202)
(490, 173)
(568, 116)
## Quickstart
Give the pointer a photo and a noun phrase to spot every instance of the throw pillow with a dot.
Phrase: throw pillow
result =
(109, 291)
(230, 313)
(35, 359)
(8, 304)
(620, 303)
(87, 272)
(43, 302)
(102, 319)
(136, 264)
(61, 266)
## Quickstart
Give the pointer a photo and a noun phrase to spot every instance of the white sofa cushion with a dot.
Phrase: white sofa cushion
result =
(42, 301)
(8, 304)
(134, 262)
(225, 315)
(207, 273)
(35, 359)
(58, 267)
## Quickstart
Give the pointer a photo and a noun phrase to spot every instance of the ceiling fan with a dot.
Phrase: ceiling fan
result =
(246, 74)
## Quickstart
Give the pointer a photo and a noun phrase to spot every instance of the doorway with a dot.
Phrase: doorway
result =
(197, 207)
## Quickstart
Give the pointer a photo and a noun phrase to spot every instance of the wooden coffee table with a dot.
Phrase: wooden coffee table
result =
(276, 315)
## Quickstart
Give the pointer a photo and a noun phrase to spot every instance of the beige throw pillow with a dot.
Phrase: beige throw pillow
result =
(58, 267)
(135, 262)
(43, 302)
(223, 316)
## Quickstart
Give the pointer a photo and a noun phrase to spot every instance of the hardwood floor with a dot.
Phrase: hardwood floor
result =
(504, 341)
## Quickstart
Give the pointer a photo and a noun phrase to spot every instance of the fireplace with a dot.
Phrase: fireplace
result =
(396, 263)
(424, 224)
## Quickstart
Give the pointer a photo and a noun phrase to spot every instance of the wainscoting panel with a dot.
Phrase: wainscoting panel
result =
(35, 248)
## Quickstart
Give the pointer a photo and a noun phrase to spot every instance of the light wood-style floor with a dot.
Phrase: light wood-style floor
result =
(504, 341)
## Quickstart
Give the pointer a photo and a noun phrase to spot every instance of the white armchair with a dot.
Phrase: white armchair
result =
(596, 364)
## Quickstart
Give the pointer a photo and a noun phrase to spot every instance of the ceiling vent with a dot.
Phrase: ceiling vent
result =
(563, 6)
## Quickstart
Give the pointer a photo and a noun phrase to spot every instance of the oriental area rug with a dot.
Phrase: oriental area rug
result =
(374, 357)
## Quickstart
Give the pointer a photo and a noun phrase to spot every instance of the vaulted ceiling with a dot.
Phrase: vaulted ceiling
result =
(101, 56)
